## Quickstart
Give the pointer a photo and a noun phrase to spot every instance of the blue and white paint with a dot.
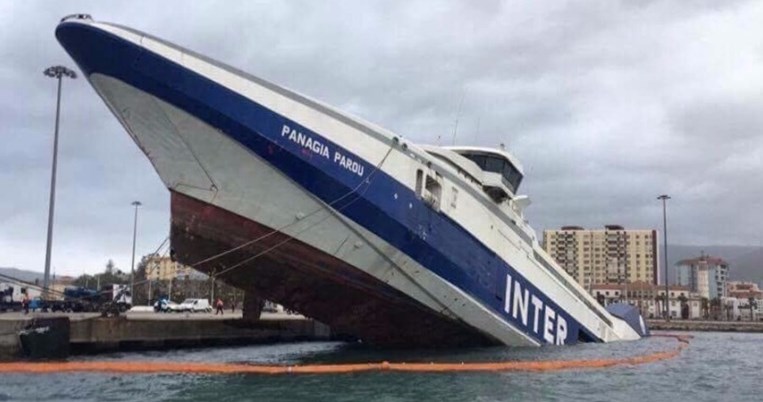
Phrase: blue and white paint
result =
(498, 282)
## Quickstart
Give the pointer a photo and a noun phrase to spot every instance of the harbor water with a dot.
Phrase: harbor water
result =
(715, 367)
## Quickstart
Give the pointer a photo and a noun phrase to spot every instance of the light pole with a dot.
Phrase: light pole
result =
(57, 72)
(136, 204)
(148, 276)
(664, 199)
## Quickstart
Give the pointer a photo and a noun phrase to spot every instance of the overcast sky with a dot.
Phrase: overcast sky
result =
(607, 105)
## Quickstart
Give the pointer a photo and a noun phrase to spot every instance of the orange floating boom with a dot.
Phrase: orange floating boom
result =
(149, 367)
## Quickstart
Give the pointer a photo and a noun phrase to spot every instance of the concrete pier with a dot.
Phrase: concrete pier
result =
(138, 331)
(706, 326)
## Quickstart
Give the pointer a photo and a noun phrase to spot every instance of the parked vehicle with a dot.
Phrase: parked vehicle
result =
(38, 304)
(7, 300)
(117, 300)
(269, 307)
(11, 295)
(165, 305)
(194, 306)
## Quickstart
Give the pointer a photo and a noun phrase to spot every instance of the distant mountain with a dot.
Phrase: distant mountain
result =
(28, 276)
(748, 266)
(746, 261)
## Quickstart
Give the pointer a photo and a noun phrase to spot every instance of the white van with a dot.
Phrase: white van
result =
(194, 306)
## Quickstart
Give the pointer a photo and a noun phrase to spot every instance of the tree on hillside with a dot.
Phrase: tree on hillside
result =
(84, 281)
(111, 275)
(140, 293)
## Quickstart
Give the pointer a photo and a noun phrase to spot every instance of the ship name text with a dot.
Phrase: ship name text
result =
(522, 305)
(319, 148)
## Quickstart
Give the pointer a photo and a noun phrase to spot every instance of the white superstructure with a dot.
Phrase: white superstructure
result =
(443, 226)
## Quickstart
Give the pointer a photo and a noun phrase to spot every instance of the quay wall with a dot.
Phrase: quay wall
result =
(96, 334)
(706, 326)
(10, 347)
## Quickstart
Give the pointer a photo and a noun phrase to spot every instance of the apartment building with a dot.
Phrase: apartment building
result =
(706, 275)
(612, 255)
(163, 269)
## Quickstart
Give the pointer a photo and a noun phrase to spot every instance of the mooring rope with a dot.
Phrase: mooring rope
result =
(356, 190)
(155, 367)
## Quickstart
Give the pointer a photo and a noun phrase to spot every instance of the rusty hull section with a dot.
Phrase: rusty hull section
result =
(309, 281)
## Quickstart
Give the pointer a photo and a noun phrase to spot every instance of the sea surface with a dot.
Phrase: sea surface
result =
(714, 367)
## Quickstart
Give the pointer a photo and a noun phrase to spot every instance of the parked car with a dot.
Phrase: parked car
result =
(165, 306)
(194, 306)
(269, 307)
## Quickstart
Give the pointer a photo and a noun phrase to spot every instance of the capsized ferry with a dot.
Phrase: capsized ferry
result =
(294, 201)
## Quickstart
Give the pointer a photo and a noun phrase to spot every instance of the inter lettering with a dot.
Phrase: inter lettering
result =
(537, 307)
(519, 304)
(561, 330)
(548, 325)
(507, 295)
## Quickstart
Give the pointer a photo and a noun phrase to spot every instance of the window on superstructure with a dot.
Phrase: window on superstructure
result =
(433, 191)
(495, 164)
(419, 182)
(454, 197)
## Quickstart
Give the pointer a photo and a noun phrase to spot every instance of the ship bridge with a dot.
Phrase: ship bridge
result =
(502, 172)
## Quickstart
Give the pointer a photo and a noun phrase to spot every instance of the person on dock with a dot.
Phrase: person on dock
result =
(25, 303)
(220, 306)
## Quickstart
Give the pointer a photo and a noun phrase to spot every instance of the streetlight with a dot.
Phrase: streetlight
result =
(136, 204)
(57, 72)
(664, 199)
(155, 268)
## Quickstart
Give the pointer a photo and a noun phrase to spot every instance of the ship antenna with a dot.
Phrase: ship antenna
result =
(458, 115)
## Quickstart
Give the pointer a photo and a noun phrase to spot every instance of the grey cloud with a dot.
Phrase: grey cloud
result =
(727, 119)
(607, 105)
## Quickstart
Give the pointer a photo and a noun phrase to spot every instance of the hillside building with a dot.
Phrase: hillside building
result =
(164, 269)
(744, 290)
(705, 275)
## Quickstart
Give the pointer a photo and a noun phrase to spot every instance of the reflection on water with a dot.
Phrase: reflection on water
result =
(714, 367)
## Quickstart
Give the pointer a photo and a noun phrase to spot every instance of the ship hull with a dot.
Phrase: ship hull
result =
(359, 249)
(199, 162)
(311, 281)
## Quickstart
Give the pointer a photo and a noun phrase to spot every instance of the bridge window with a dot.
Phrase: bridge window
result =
(498, 164)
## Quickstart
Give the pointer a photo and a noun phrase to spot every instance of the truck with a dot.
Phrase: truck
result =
(11, 295)
(7, 300)
(72, 299)
(81, 299)
(116, 299)
(77, 299)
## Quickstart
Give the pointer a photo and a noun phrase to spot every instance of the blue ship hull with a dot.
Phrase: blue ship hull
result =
(431, 238)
